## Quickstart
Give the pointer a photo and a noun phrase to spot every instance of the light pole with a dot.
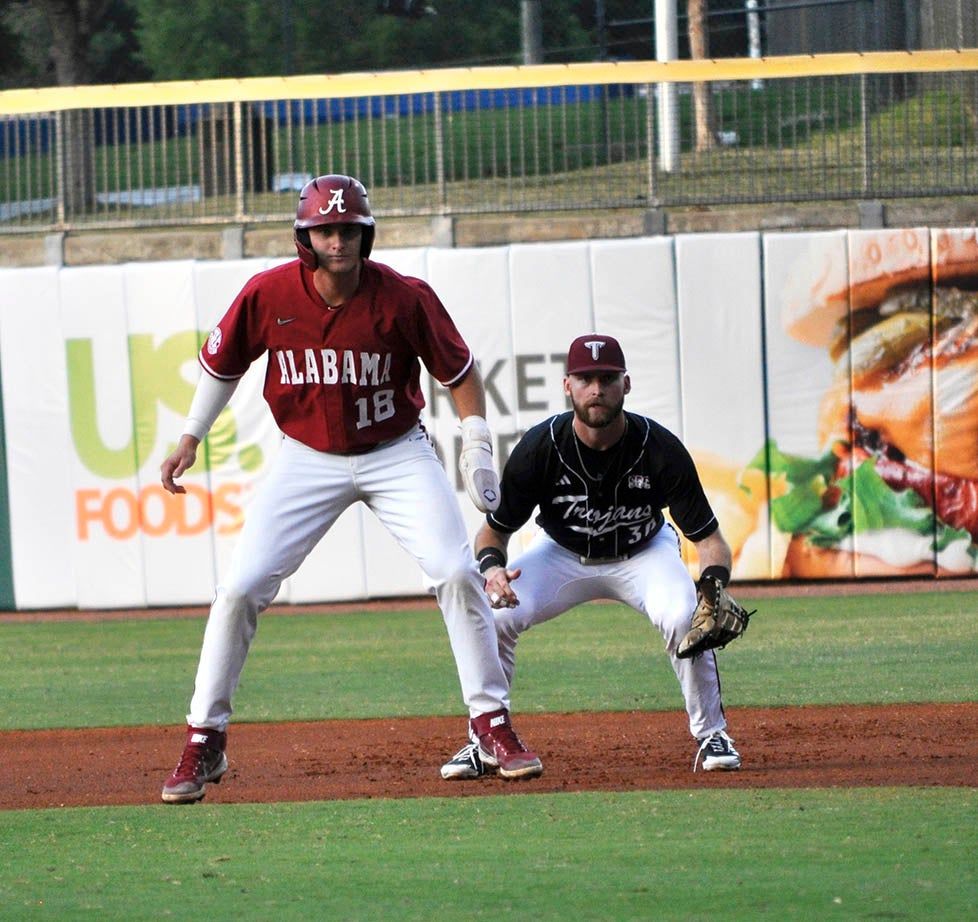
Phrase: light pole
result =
(532, 31)
(667, 96)
(754, 38)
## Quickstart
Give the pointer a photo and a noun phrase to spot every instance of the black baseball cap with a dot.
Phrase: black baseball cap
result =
(594, 352)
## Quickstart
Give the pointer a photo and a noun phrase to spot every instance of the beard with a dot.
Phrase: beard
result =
(598, 416)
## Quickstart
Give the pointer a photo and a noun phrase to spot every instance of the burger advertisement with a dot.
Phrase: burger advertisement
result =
(872, 359)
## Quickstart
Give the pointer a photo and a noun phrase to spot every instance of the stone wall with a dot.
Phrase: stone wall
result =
(220, 242)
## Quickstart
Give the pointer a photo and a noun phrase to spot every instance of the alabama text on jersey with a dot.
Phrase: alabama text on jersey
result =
(339, 379)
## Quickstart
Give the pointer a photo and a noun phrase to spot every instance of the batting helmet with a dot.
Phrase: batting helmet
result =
(332, 199)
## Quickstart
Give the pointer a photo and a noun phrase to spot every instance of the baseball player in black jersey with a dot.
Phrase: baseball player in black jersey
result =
(601, 478)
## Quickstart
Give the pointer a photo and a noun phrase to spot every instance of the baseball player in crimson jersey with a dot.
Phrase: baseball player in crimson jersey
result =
(601, 478)
(344, 338)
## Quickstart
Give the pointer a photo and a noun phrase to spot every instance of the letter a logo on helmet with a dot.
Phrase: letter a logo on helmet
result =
(336, 200)
(332, 199)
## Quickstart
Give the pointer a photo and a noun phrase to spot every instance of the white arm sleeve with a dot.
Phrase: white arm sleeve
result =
(211, 396)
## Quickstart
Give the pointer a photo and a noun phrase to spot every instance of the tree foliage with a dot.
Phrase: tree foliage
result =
(247, 38)
(45, 42)
(68, 42)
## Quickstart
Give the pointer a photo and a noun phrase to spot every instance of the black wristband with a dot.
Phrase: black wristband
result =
(490, 557)
(717, 572)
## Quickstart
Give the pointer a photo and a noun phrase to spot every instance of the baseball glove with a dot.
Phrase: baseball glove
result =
(718, 619)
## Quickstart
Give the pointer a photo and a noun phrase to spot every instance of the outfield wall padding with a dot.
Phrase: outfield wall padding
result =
(98, 366)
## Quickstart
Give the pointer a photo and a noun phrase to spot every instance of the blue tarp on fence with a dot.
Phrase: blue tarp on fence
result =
(144, 124)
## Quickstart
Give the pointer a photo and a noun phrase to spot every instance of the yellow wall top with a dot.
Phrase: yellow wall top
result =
(392, 83)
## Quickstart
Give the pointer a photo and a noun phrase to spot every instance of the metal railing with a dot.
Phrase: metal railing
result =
(491, 140)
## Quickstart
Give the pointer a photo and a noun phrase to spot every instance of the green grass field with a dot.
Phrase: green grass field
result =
(733, 854)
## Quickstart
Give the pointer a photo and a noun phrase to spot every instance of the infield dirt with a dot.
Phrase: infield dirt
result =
(832, 746)
(790, 747)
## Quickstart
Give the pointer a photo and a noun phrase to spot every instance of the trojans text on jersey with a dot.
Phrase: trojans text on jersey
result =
(327, 366)
(583, 518)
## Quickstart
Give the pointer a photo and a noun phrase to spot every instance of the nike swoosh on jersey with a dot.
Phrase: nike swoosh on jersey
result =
(281, 321)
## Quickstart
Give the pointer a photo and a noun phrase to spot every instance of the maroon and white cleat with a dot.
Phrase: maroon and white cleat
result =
(502, 749)
(203, 762)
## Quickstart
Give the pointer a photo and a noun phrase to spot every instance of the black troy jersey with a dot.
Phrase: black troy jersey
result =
(602, 503)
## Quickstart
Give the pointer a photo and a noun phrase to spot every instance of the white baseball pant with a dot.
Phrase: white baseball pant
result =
(655, 582)
(405, 485)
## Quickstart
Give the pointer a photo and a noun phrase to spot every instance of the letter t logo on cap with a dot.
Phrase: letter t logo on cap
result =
(595, 352)
(595, 346)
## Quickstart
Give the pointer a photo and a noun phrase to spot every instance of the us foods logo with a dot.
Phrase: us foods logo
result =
(121, 510)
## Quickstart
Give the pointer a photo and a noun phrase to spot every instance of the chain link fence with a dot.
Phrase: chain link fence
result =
(580, 141)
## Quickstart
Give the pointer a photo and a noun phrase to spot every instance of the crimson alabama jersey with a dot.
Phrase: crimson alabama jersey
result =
(339, 379)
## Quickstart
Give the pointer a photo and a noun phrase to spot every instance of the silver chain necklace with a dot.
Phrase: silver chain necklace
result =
(616, 449)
